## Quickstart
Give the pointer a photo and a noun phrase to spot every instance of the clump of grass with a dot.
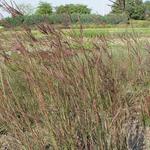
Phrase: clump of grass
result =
(57, 97)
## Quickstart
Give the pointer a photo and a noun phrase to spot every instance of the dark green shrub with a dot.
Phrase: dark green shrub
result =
(55, 19)
(66, 19)
(14, 21)
(115, 18)
(33, 19)
(88, 19)
(36, 19)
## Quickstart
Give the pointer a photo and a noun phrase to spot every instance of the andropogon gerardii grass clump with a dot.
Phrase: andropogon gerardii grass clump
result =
(55, 93)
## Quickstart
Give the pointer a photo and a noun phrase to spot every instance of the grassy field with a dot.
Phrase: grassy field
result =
(60, 91)
(109, 31)
(94, 32)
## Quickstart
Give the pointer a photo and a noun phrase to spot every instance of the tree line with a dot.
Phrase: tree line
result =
(45, 8)
(134, 9)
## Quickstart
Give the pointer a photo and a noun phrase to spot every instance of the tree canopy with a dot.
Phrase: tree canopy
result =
(133, 8)
(147, 9)
(73, 8)
(44, 8)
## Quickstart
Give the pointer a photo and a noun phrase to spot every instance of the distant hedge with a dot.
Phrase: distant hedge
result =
(65, 19)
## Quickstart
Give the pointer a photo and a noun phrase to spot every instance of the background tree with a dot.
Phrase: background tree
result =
(133, 8)
(118, 6)
(44, 8)
(73, 8)
(147, 9)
